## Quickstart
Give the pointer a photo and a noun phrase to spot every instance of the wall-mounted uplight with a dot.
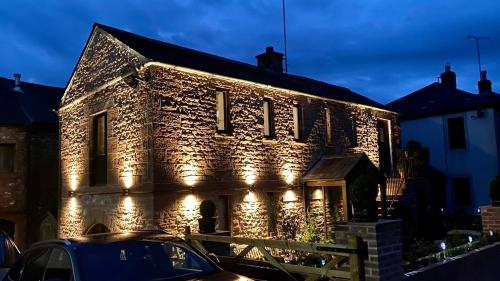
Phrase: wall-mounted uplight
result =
(125, 192)
(71, 193)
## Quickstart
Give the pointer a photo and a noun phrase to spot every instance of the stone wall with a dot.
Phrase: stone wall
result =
(490, 216)
(162, 134)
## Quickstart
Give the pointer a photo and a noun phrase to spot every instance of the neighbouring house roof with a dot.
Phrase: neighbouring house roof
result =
(439, 99)
(176, 55)
(339, 167)
(34, 104)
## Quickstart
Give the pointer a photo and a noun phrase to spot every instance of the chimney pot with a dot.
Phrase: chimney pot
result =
(270, 60)
(17, 83)
(448, 77)
(484, 84)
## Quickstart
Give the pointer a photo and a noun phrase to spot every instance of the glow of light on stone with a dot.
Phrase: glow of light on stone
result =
(250, 197)
(288, 174)
(317, 194)
(250, 174)
(190, 177)
(73, 207)
(74, 182)
(289, 196)
(128, 204)
(128, 179)
(190, 202)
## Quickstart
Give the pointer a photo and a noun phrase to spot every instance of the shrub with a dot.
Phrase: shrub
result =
(495, 189)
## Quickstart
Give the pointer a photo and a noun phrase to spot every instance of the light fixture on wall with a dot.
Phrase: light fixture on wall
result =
(125, 192)
(71, 193)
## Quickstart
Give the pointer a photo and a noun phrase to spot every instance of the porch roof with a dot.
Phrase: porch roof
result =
(338, 167)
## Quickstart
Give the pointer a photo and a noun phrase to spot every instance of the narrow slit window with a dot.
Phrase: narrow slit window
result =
(297, 122)
(7, 158)
(99, 152)
(268, 118)
(354, 129)
(222, 114)
(328, 122)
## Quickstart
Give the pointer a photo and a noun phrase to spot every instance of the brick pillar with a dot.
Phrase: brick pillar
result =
(490, 217)
(385, 252)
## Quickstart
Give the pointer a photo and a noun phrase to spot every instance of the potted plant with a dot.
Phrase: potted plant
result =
(495, 191)
(208, 219)
(363, 195)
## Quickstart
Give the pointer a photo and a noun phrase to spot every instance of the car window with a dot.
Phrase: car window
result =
(140, 261)
(34, 268)
(15, 271)
(58, 266)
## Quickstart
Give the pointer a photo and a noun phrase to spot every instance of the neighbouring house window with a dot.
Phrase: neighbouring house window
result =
(456, 132)
(328, 122)
(99, 150)
(268, 118)
(222, 112)
(297, 122)
(7, 158)
(461, 187)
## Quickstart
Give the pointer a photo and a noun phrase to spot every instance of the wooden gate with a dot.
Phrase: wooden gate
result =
(349, 257)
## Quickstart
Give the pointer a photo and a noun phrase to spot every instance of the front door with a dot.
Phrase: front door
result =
(384, 146)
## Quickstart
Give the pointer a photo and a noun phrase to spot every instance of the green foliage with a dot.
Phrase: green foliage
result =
(495, 189)
(310, 232)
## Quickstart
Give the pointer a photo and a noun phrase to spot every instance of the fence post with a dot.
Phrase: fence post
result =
(356, 261)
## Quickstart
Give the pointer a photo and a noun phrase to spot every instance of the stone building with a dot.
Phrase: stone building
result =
(150, 129)
(28, 160)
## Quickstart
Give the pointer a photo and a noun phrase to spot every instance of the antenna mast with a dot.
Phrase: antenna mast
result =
(284, 35)
(477, 38)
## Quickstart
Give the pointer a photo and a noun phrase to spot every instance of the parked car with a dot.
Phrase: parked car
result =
(134, 256)
(8, 253)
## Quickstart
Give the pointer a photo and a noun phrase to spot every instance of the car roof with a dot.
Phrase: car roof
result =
(112, 237)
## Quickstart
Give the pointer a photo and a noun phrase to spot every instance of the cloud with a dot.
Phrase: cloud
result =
(380, 48)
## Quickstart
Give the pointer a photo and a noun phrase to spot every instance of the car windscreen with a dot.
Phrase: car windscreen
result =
(139, 261)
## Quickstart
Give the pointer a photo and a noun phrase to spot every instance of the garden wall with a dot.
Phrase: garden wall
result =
(479, 265)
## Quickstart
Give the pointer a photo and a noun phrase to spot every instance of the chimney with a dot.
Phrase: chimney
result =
(17, 83)
(449, 77)
(484, 84)
(270, 60)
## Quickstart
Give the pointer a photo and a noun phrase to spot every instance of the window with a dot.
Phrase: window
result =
(328, 126)
(461, 187)
(354, 131)
(456, 132)
(99, 150)
(222, 112)
(268, 118)
(297, 122)
(7, 158)
(58, 266)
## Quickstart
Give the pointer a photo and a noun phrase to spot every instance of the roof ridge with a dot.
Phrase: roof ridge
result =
(34, 84)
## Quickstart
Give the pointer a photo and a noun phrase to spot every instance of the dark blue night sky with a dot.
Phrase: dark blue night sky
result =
(382, 49)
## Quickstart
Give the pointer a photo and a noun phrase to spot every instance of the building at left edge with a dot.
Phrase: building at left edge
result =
(29, 149)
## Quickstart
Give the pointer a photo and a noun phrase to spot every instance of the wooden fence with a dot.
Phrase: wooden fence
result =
(347, 256)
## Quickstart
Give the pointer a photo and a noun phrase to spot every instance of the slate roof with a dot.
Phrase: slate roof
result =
(337, 167)
(439, 99)
(180, 56)
(34, 105)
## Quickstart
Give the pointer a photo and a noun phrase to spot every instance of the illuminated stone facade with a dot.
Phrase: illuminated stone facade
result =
(163, 144)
